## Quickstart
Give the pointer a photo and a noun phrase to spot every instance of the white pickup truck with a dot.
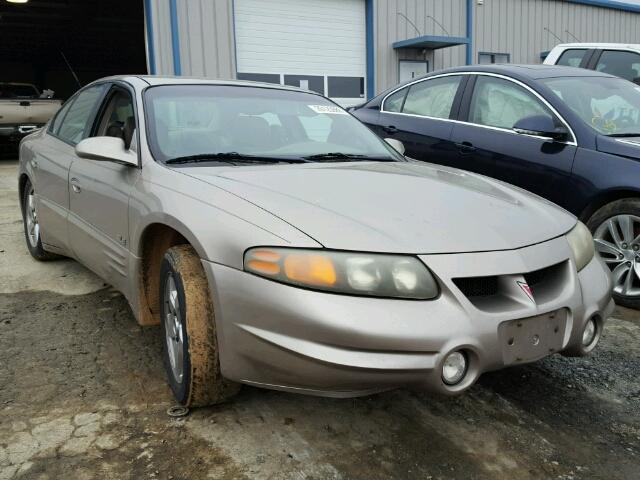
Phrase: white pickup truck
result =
(23, 109)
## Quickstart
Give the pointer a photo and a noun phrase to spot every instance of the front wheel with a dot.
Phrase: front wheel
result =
(616, 232)
(190, 349)
(32, 225)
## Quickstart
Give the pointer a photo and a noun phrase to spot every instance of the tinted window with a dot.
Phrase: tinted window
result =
(393, 103)
(488, 58)
(621, 64)
(432, 98)
(74, 126)
(501, 103)
(572, 57)
(16, 90)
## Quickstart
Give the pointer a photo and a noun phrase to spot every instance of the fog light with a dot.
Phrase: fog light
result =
(589, 332)
(454, 368)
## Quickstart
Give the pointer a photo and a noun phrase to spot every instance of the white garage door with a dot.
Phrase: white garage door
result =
(314, 44)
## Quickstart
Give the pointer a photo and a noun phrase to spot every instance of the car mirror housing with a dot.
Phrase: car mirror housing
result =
(106, 149)
(397, 145)
(541, 126)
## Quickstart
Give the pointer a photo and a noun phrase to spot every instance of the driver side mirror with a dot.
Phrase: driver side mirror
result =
(541, 126)
(106, 149)
(397, 145)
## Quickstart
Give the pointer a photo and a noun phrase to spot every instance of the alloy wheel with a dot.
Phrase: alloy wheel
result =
(33, 227)
(173, 328)
(617, 240)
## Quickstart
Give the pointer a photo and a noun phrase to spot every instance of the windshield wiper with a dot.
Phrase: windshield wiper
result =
(347, 157)
(622, 135)
(230, 157)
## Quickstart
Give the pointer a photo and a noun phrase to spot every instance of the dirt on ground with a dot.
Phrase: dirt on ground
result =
(83, 396)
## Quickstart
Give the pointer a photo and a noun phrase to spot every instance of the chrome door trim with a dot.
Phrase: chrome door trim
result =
(573, 142)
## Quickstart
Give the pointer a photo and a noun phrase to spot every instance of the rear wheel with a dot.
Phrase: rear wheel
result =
(190, 347)
(616, 232)
(32, 225)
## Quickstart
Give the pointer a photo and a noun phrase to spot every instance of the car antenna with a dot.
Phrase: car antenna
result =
(70, 69)
(574, 37)
(548, 30)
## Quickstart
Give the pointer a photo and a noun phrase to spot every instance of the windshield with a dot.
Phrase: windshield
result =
(610, 105)
(224, 121)
(8, 90)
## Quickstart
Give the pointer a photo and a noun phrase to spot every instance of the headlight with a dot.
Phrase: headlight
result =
(377, 275)
(581, 243)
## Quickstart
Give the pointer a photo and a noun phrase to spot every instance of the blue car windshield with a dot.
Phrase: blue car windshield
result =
(236, 123)
(609, 105)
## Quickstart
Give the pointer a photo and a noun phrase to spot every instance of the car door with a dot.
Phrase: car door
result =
(419, 116)
(485, 137)
(99, 195)
(51, 163)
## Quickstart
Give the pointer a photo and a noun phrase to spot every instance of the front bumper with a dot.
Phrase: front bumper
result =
(15, 133)
(282, 337)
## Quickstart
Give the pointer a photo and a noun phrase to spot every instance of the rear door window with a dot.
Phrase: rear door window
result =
(572, 57)
(433, 97)
(620, 63)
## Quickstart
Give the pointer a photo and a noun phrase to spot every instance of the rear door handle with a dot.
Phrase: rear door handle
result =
(465, 148)
(390, 129)
(75, 185)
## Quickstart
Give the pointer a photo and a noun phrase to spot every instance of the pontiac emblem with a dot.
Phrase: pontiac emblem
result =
(527, 290)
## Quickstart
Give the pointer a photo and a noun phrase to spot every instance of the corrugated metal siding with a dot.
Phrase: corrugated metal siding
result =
(162, 37)
(518, 27)
(205, 38)
(207, 47)
(391, 27)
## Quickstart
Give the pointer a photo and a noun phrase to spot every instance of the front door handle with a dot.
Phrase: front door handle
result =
(465, 148)
(75, 185)
(390, 129)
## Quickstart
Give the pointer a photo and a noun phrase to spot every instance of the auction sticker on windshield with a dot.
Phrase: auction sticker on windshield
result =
(331, 109)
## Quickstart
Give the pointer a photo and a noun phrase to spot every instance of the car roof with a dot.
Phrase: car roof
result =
(532, 72)
(155, 80)
(634, 46)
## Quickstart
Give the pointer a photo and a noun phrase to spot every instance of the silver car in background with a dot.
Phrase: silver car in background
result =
(279, 243)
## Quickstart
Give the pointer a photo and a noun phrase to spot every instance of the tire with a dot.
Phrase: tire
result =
(620, 251)
(190, 347)
(31, 225)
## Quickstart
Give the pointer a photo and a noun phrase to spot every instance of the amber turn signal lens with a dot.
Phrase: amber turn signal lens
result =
(266, 262)
(314, 270)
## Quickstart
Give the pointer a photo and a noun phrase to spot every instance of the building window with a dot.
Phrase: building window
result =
(485, 58)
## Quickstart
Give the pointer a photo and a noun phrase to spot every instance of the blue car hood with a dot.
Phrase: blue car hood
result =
(623, 146)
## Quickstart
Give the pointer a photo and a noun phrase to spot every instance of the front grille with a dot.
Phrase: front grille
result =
(539, 276)
(477, 286)
(544, 283)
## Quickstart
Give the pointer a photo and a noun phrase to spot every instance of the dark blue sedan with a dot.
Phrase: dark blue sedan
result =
(570, 135)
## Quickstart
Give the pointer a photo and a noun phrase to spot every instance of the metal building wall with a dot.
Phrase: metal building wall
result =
(391, 27)
(204, 45)
(518, 27)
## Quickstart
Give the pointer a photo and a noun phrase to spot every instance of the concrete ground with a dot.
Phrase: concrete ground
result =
(83, 396)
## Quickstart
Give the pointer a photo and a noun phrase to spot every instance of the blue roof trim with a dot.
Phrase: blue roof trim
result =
(432, 42)
(371, 72)
(175, 37)
(613, 4)
(148, 18)
(469, 33)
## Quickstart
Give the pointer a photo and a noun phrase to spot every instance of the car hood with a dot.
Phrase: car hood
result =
(394, 207)
(626, 147)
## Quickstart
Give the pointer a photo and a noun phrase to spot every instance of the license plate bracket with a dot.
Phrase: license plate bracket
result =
(529, 339)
